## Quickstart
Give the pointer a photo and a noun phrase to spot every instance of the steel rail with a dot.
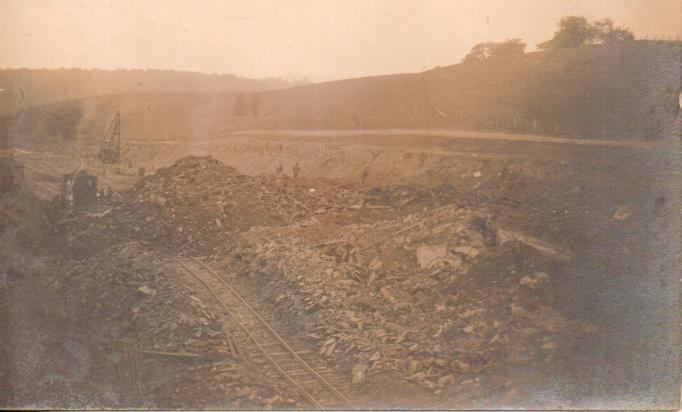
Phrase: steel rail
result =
(277, 337)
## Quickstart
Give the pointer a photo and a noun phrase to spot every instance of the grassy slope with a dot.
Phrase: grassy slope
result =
(622, 91)
(626, 90)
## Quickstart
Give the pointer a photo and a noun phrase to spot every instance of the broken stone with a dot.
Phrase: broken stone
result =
(387, 294)
(396, 327)
(359, 373)
(330, 349)
(624, 212)
(375, 264)
(431, 256)
(466, 251)
(146, 290)
(402, 337)
(560, 253)
(428, 384)
(535, 280)
(362, 300)
(371, 278)
(413, 366)
(463, 366)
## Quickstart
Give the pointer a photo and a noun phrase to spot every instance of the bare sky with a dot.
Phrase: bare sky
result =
(315, 38)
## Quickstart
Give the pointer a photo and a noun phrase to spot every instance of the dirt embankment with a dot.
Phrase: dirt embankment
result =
(48, 358)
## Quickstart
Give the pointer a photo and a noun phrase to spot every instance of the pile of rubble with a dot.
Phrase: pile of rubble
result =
(199, 204)
(131, 296)
(442, 298)
(419, 284)
(23, 216)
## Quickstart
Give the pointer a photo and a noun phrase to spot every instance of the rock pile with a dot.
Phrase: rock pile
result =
(433, 297)
(199, 204)
(419, 284)
(135, 298)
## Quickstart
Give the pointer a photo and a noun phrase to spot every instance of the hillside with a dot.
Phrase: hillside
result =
(625, 91)
(23, 88)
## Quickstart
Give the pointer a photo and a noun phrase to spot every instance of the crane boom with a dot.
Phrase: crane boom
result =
(110, 146)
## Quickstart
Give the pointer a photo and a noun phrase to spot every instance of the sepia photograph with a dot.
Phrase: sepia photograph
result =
(340, 204)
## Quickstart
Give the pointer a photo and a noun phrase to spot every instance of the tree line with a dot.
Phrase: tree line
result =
(573, 31)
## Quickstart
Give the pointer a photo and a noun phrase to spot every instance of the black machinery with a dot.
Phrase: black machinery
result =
(78, 189)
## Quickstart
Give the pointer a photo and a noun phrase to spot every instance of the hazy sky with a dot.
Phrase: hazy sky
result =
(315, 38)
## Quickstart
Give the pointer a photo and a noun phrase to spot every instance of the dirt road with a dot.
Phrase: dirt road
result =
(456, 134)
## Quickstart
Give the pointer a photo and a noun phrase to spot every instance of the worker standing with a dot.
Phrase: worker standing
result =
(279, 169)
(296, 170)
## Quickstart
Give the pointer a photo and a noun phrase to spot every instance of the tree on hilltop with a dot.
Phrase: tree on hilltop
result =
(606, 32)
(576, 31)
(488, 50)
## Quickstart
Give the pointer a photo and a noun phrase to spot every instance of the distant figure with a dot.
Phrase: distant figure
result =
(279, 169)
(140, 171)
(365, 174)
(110, 193)
(100, 194)
(296, 170)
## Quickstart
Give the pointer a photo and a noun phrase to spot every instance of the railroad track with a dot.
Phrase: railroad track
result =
(267, 342)
(44, 186)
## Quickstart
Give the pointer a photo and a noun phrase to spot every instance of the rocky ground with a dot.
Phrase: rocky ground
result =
(458, 295)
(404, 284)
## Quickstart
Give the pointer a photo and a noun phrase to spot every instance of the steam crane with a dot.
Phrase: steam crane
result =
(110, 146)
